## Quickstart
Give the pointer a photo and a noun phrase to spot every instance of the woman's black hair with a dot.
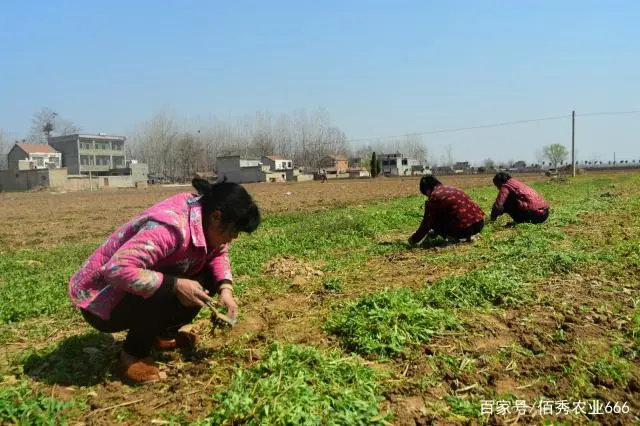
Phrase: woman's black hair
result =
(501, 178)
(238, 210)
(428, 182)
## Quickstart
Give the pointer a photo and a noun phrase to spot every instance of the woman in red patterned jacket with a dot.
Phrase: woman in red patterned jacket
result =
(518, 200)
(449, 212)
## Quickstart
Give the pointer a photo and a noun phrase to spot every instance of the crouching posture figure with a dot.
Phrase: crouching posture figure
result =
(448, 212)
(518, 200)
(154, 273)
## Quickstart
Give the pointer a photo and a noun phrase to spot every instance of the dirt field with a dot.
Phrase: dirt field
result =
(44, 219)
(526, 313)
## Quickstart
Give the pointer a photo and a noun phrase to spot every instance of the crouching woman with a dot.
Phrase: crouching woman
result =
(154, 274)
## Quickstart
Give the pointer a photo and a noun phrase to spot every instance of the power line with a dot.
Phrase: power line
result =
(487, 126)
(593, 114)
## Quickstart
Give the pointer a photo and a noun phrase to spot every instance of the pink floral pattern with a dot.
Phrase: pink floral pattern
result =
(168, 238)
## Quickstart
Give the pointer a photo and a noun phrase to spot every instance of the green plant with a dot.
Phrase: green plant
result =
(493, 285)
(299, 385)
(34, 283)
(333, 285)
(387, 323)
(20, 404)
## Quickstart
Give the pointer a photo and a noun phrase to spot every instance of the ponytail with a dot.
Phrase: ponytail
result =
(237, 208)
(203, 186)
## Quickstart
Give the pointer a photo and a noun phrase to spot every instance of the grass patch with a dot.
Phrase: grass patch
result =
(34, 283)
(470, 409)
(20, 404)
(387, 323)
(301, 386)
(612, 367)
(478, 288)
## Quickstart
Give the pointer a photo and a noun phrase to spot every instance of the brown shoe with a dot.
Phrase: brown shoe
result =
(139, 371)
(183, 340)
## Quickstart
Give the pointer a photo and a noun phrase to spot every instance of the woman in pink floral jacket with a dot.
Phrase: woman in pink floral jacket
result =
(154, 273)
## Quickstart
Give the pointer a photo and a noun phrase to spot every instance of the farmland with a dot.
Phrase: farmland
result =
(339, 320)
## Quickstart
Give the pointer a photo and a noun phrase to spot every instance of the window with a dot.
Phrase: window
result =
(393, 162)
(404, 162)
(385, 162)
(118, 162)
(86, 160)
(103, 160)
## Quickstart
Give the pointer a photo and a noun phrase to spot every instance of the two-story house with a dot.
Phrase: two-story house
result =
(397, 164)
(99, 154)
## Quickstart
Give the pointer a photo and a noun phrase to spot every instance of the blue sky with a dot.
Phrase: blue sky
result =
(379, 68)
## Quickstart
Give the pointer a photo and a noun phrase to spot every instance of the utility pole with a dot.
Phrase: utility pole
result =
(573, 142)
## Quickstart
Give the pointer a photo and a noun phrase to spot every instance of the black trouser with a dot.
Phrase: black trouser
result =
(146, 319)
(459, 234)
(520, 216)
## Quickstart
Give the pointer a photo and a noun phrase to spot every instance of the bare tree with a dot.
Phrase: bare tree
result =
(555, 153)
(190, 153)
(47, 123)
(413, 146)
(489, 164)
(540, 157)
(4, 150)
(170, 150)
(155, 143)
(448, 156)
(263, 142)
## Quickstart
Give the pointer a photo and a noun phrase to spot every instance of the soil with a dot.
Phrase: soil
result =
(514, 351)
(47, 219)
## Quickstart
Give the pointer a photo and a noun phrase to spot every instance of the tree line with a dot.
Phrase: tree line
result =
(177, 150)
(305, 138)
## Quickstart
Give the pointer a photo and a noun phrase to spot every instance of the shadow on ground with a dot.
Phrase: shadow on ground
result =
(83, 360)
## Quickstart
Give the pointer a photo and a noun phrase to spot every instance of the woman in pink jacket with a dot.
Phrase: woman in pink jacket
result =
(154, 273)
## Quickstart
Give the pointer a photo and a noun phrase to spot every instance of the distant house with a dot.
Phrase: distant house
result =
(397, 164)
(247, 170)
(297, 174)
(335, 164)
(239, 169)
(419, 170)
(359, 173)
(356, 163)
(24, 156)
(461, 165)
(101, 154)
(442, 170)
(277, 163)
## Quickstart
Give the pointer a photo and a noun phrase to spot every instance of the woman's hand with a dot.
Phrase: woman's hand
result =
(190, 293)
(227, 300)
